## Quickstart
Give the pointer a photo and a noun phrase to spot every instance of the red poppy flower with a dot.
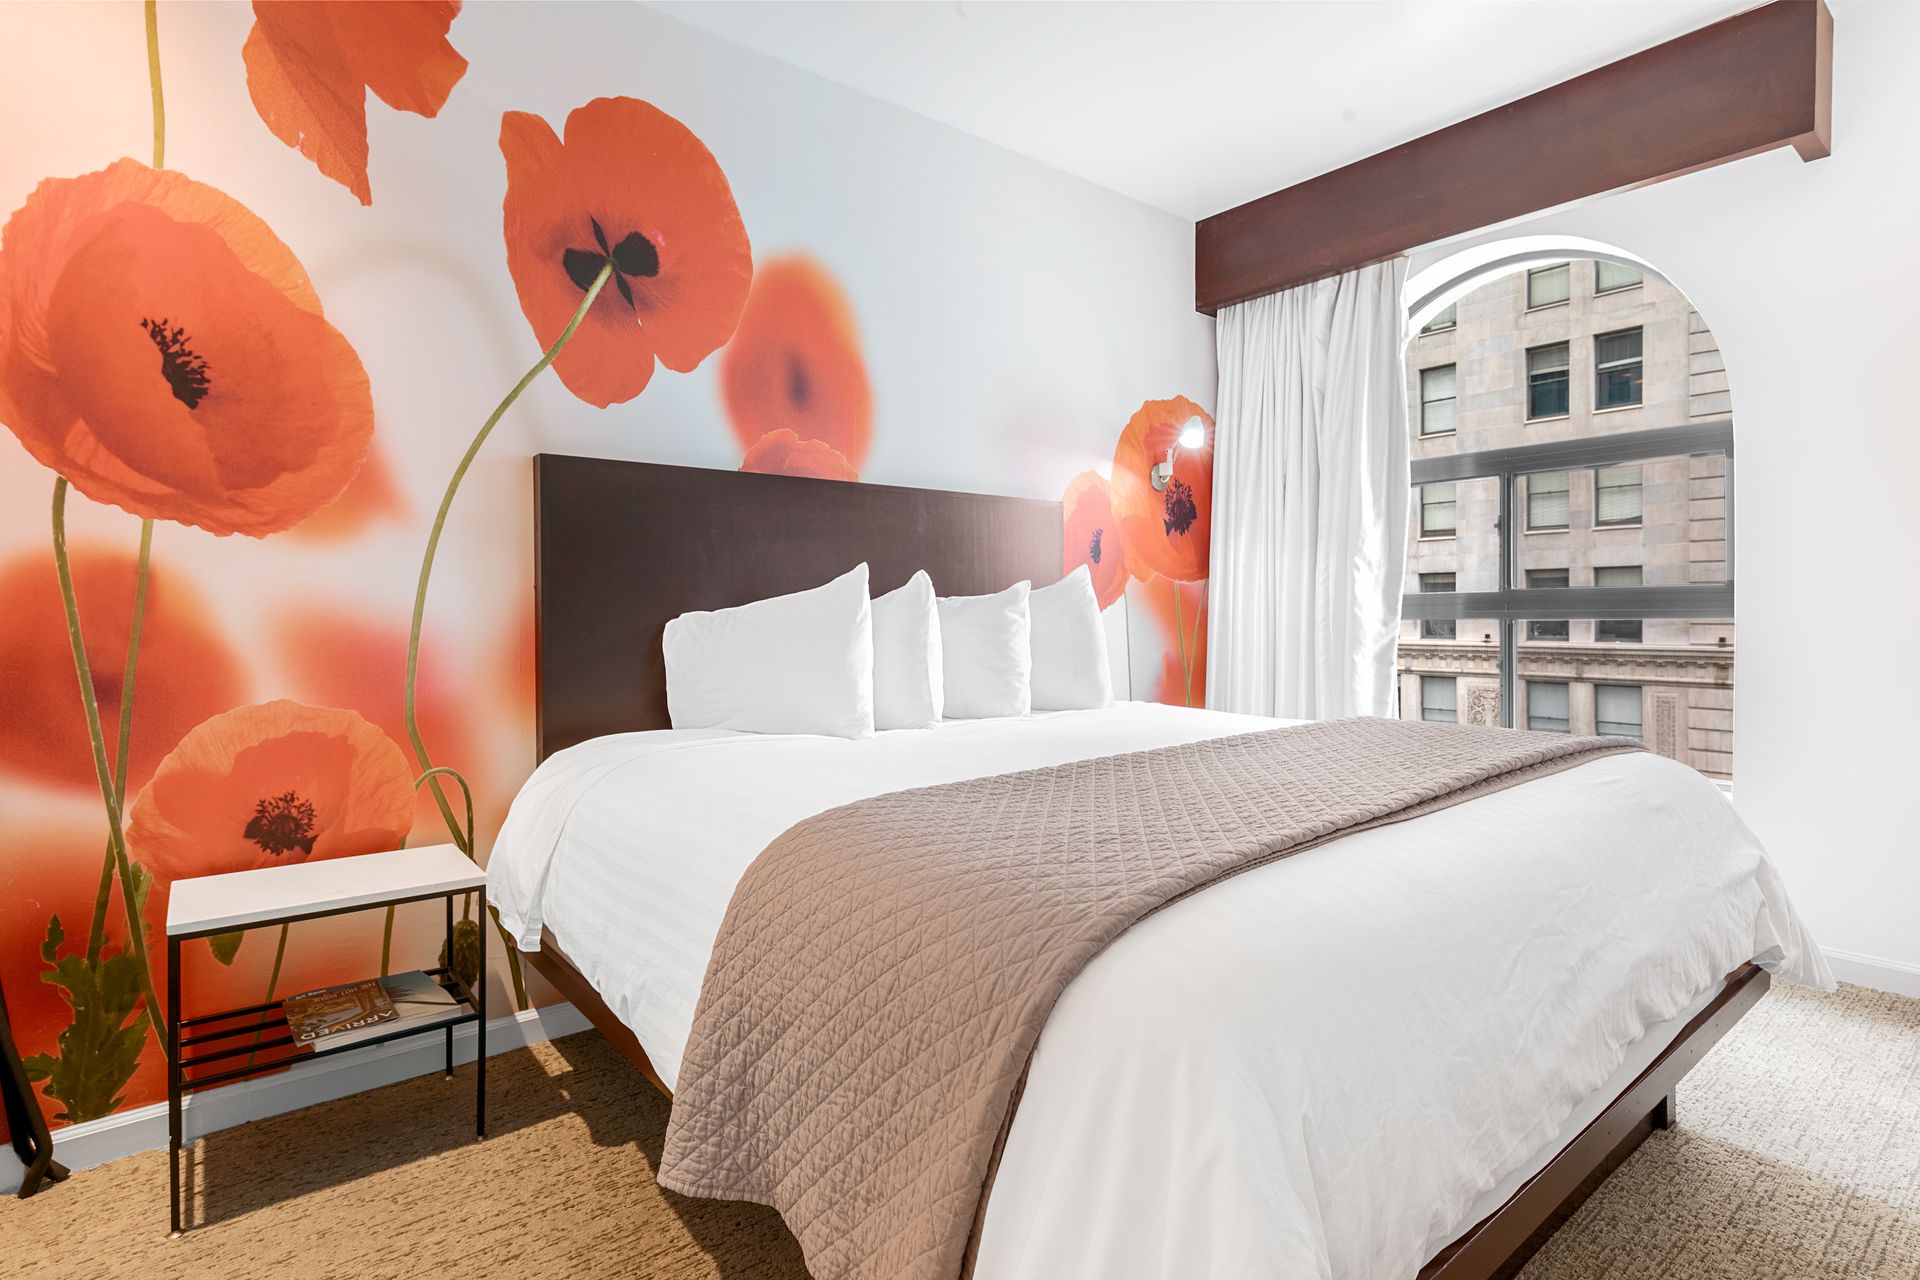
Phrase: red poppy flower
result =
(374, 495)
(782, 453)
(311, 62)
(794, 363)
(266, 785)
(187, 671)
(1092, 536)
(633, 187)
(163, 350)
(1190, 622)
(1166, 530)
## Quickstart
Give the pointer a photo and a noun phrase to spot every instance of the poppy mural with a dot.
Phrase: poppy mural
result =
(164, 351)
(285, 609)
(270, 785)
(665, 232)
(1145, 536)
(190, 671)
(311, 63)
(793, 379)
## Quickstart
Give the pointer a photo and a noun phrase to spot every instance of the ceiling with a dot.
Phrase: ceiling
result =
(1196, 107)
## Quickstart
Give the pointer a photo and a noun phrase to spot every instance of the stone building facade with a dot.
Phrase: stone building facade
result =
(1568, 352)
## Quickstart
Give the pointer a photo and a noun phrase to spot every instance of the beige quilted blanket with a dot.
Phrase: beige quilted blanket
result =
(885, 968)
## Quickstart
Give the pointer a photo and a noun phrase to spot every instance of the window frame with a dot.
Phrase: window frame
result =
(1452, 530)
(1452, 682)
(1534, 624)
(1542, 269)
(1566, 721)
(1453, 400)
(1638, 520)
(1452, 314)
(1533, 493)
(1640, 725)
(1509, 605)
(1600, 291)
(1600, 370)
(1429, 627)
(1565, 377)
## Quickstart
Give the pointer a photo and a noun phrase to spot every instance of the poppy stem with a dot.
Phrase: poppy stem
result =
(116, 832)
(97, 935)
(153, 79)
(273, 981)
(1193, 660)
(465, 840)
(1180, 632)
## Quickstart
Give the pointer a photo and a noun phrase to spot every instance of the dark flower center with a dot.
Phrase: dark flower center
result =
(184, 371)
(633, 257)
(281, 824)
(799, 388)
(1093, 548)
(1180, 511)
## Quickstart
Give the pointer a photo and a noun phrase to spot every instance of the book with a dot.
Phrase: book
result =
(331, 1011)
(417, 1001)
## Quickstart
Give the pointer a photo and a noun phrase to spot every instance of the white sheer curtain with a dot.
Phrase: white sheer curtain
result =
(1310, 493)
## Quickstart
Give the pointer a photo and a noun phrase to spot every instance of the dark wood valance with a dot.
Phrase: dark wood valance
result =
(1756, 81)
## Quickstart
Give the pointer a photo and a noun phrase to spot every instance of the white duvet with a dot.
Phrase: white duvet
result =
(1326, 1067)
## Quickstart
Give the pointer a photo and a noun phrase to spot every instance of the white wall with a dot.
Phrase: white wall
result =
(1807, 272)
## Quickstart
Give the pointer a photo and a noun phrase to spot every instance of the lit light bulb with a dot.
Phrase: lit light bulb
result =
(1193, 435)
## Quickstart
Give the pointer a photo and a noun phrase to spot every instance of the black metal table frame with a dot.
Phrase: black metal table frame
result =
(270, 1016)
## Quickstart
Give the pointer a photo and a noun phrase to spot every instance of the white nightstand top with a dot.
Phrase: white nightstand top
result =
(240, 899)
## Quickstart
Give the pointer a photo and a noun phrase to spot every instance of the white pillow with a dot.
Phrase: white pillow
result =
(801, 663)
(986, 654)
(1070, 670)
(907, 680)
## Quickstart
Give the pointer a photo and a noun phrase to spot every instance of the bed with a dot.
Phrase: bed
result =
(1345, 1064)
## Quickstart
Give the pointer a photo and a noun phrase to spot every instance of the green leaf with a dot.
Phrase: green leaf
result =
(466, 953)
(227, 945)
(55, 936)
(100, 1049)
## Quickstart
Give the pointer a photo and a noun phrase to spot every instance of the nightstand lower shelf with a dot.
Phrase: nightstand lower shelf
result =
(269, 1019)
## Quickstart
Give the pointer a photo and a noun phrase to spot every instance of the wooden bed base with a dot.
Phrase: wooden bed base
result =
(1497, 1246)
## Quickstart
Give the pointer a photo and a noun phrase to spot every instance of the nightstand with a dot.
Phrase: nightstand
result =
(234, 1044)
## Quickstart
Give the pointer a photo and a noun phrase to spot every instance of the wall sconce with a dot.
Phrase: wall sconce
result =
(1192, 436)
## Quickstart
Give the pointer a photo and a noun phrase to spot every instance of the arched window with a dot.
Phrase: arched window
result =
(1570, 564)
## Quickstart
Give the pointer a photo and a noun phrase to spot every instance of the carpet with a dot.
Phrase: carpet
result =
(1797, 1154)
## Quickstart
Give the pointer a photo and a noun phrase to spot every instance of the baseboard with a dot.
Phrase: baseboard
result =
(1881, 975)
(81, 1146)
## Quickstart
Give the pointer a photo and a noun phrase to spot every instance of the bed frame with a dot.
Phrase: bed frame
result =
(623, 547)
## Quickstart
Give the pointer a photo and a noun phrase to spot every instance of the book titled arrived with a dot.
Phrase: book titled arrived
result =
(316, 1015)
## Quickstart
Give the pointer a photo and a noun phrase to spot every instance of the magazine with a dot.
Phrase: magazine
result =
(417, 1000)
(330, 1011)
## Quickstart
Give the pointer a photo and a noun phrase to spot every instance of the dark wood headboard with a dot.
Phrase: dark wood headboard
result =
(621, 548)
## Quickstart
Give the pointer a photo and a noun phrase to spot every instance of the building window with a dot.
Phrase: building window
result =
(1440, 699)
(1447, 319)
(1616, 495)
(1546, 628)
(1616, 362)
(1547, 706)
(1617, 630)
(1548, 285)
(1611, 276)
(1547, 381)
(1437, 628)
(1437, 400)
(1436, 511)
(1548, 504)
(1616, 710)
